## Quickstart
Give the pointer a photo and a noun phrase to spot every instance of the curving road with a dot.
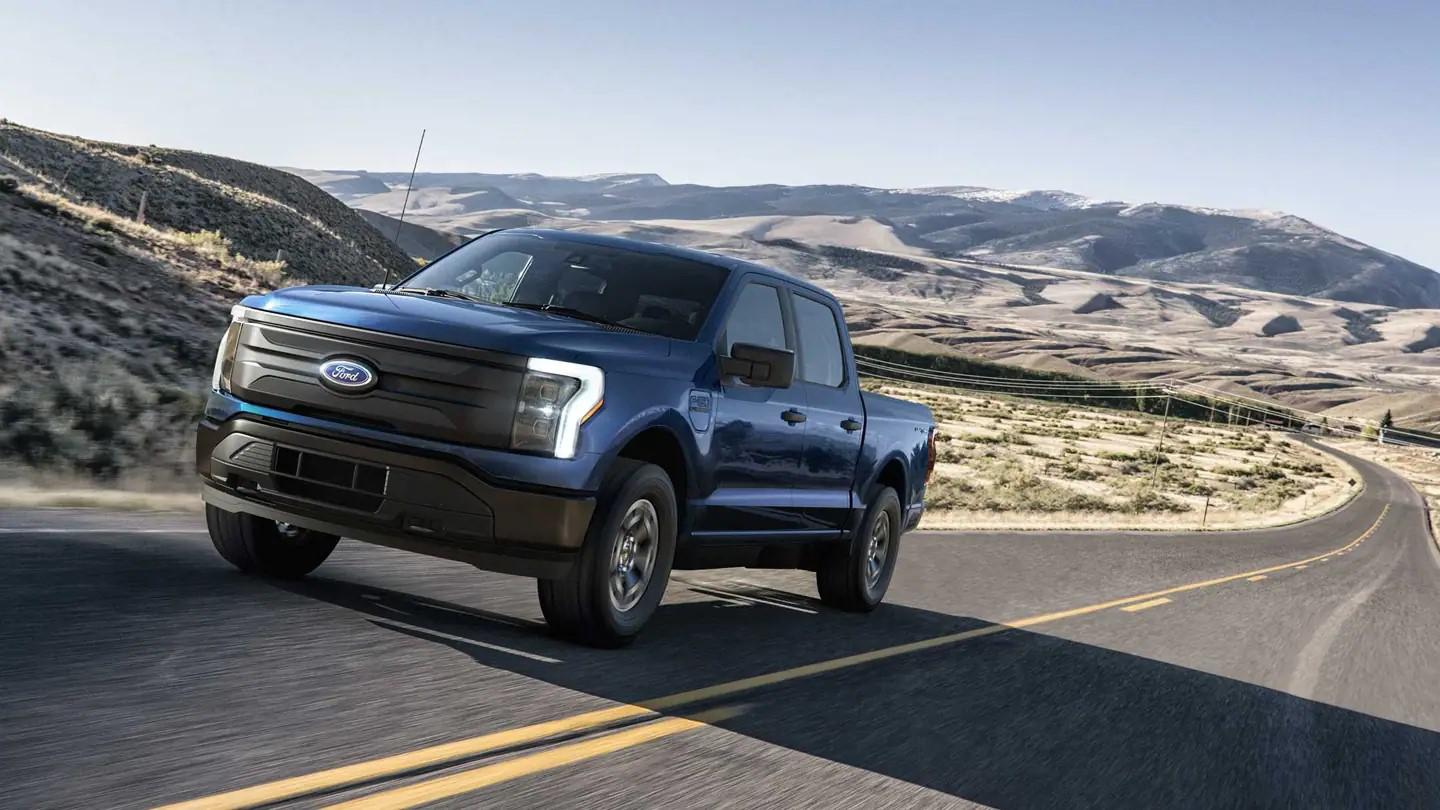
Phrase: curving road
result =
(1286, 667)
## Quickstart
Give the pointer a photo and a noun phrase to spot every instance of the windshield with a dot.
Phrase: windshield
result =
(648, 292)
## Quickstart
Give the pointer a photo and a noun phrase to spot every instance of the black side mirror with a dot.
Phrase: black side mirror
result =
(759, 366)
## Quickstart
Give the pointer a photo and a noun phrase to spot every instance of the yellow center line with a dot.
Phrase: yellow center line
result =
(444, 787)
(400, 763)
(1255, 578)
(375, 768)
(1146, 605)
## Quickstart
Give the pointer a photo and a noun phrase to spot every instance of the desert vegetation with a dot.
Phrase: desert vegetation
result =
(1013, 463)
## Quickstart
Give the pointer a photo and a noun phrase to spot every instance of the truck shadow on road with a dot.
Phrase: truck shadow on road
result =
(1011, 719)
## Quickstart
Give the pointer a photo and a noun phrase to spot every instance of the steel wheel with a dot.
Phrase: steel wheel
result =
(877, 550)
(632, 558)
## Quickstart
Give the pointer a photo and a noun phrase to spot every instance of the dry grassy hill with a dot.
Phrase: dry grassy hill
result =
(109, 326)
(259, 209)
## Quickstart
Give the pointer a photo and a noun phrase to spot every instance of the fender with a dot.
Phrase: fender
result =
(673, 423)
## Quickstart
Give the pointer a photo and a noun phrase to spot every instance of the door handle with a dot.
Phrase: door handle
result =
(793, 416)
(851, 425)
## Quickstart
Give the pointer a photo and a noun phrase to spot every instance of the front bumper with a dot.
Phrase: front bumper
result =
(388, 496)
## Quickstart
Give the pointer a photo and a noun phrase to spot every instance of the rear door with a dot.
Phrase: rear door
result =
(834, 425)
(757, 441)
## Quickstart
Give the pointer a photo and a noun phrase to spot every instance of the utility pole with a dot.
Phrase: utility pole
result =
(1160, 448)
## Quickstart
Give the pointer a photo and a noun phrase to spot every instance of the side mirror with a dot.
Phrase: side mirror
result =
(759, 366)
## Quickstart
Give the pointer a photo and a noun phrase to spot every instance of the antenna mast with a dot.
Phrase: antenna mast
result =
(406, 204)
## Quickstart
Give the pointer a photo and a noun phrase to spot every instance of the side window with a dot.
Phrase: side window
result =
(756, 318)
(821, 359)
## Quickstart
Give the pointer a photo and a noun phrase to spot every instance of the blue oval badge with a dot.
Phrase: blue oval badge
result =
(350, 376)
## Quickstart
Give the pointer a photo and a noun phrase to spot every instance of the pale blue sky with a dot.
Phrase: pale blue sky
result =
(1331, 112)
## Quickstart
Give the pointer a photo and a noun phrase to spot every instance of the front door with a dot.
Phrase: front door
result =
(757, 440)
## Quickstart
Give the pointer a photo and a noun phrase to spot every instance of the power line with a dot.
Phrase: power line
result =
(1015, 380)
(1025, 388)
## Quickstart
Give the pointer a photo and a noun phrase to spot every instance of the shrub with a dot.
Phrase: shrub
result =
(1151, 501)
(1079, 473)
(1013, 488)
(950, 454)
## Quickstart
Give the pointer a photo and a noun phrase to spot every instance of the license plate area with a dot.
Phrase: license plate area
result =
(330, 479)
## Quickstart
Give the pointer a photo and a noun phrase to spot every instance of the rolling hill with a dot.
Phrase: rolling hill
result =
(1259, 250)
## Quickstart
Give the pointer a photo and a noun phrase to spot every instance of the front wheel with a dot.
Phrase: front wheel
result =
(624, 565)
(257, 545)
(855, 576)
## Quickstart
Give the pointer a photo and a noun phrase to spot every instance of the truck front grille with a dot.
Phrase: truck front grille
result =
(425, 389)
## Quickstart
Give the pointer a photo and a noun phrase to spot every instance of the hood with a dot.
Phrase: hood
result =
(462, 323)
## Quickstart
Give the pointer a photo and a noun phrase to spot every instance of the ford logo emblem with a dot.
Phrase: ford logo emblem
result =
(350, 376)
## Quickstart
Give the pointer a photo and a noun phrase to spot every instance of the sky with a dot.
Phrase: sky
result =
(1330, 111)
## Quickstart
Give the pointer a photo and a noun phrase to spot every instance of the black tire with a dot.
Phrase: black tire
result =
(846, 578)
(258, 546)
(582, 607)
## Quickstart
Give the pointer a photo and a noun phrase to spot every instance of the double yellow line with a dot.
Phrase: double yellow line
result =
(466, 781)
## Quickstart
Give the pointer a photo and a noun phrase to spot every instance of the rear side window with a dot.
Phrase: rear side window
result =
(821, 360)
(756, 318)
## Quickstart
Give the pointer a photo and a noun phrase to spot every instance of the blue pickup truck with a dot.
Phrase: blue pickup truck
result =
(589, 411)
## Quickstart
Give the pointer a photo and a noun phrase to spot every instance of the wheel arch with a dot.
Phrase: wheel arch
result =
(661, 445)
(890, 473)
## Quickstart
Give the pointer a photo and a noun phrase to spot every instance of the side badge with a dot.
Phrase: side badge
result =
(700, 410)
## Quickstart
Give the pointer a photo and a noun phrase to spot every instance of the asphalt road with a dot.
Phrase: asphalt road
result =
(1008, 669)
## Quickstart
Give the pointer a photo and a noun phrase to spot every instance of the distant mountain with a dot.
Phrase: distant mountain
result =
(1259, 250)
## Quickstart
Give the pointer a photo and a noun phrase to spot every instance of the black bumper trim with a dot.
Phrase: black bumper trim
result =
(428, 505)
(521, 562)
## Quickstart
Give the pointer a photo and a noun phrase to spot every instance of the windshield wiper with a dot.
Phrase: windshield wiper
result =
(437, 292)
(569, 312)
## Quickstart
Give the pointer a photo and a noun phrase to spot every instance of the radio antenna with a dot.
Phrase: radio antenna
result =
(406, 204)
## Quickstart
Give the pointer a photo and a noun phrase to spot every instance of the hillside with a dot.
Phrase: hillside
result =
(259, 209)
(1258, 250)
(109, 326)
(417, 241)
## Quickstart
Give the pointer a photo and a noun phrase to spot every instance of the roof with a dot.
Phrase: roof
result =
(639, 245)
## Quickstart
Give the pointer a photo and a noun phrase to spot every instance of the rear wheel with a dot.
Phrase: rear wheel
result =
(257, 545)
(624, 566)
(856, 575)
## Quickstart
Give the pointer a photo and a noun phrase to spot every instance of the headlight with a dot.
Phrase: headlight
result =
(556, 398)
(225, 355)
